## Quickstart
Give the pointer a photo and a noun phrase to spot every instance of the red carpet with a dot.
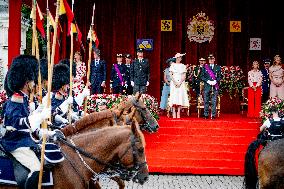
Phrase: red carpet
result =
(197, 146)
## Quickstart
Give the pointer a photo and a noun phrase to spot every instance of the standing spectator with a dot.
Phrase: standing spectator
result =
(265, 80)
(178, 91)
(128, 86)
(196, 80)
(276, 74)
(166, 86)
(140, 73)
(117, 77)
(78, 84)
(98, 73)
(254, 91)
(211, 76)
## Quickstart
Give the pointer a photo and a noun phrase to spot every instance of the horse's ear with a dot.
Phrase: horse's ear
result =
(135, 127)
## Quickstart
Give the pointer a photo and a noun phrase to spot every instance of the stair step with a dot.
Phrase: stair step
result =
(195, 154)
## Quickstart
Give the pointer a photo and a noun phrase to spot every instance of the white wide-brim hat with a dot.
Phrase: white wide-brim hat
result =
(179, 55)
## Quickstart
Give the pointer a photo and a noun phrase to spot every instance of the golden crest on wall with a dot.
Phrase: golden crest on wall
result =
(200, 28)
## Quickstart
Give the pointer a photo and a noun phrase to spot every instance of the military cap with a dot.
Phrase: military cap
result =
(202, 59)
(60, 76)
(127, 55)
(119, 55)
(24, 68)
(267, 61)
(211, 56)
(140, 50)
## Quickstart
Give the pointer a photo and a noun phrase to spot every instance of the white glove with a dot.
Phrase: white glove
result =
(60, 119)
(110, 85)
(64, 106)
(37, 118)
(132, 83)
(74, 116)
(80, 98)
(214, 82)
(32, 106)
(147, 84)
(126, 85)
(44, 99)
(39, 108)
(209, 82)
(46, 132)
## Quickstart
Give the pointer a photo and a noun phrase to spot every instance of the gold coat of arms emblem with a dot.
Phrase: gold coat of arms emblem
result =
(200, 28)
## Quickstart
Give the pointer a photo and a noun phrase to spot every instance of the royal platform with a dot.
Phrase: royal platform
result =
(192, 145)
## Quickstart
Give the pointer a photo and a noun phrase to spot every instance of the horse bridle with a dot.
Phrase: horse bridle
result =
(126, 173)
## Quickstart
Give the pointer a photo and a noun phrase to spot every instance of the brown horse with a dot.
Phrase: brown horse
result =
(270, 172)
(122, 114)
(118, 150)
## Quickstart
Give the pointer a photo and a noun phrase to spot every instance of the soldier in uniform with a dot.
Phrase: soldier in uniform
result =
(117, 77)
(61, 100)
(98, 73)
(128, 86)
(18, 120)
(211, 75)
(196, 80)
(265, 80)
(140, 73)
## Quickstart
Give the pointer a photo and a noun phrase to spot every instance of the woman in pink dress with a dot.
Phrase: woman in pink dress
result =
(276, 73)
(254, 91)
(79, 85)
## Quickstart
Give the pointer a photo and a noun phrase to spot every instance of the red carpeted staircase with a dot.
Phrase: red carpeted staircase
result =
(197, 146)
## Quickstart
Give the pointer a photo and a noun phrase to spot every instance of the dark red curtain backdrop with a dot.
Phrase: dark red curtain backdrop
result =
(119, 23)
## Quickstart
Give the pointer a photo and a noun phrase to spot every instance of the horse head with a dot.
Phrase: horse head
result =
(132, 157)
(143, 116)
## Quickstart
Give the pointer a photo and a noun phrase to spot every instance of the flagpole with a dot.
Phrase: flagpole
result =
(90, 58)
(71, 68)
(48, 34)
(50, 73)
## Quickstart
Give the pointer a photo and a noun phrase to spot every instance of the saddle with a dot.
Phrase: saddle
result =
(14, 173)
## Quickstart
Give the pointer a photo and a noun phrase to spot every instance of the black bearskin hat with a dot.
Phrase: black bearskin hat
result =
(60, 76)
(23, 68)
(9, 92)
(44, 69)
(67, 62)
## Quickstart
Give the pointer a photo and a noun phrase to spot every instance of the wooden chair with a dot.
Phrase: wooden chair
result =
(244, 99)
(200, 103)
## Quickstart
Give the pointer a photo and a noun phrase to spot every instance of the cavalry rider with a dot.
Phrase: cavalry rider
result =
(18, 120)
(274, 125)
(60, 100)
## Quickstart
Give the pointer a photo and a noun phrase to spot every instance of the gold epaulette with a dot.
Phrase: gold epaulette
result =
(18, 98)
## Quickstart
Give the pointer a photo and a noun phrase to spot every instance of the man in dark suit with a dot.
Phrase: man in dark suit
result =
(128, 86)
(211, 75)
(140, 73)
(97, 73)
(196, 80)
(117, 76)
(265, 80)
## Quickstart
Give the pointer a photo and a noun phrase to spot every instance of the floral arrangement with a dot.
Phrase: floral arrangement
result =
(114, 99)
(233, 80)
(272, 102)
(3, 99)
(111, 100)
(152, 104)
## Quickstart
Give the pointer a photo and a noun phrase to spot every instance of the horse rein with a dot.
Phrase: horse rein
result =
(125, 172)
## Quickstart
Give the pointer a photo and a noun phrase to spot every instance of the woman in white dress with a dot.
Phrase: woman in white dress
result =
(178, 91)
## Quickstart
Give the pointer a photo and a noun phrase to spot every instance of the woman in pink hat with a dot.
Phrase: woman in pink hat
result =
(178, 92)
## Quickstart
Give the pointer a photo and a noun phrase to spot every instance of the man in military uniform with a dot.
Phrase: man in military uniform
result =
(211, 75)
(97, 73)
(117, 76)
(128, 86)
(18, 120)
(61, 100)
(140, 73)
(265, 80)
(196, 80)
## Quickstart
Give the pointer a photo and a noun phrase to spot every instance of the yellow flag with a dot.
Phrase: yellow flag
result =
(62, 9)
(235, 26)
(166, 25)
